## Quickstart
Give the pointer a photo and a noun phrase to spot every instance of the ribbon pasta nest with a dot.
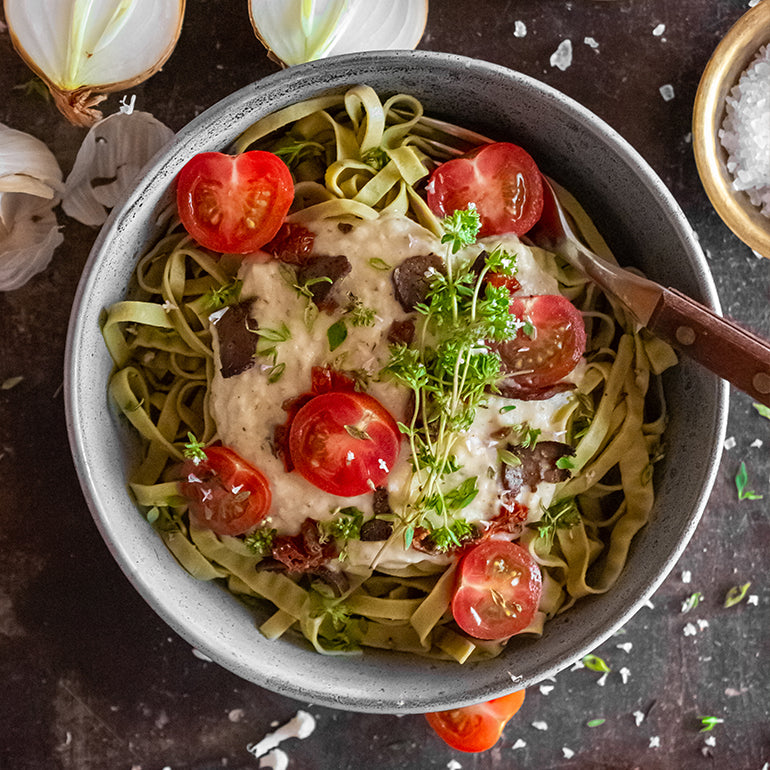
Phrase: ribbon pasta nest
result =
(356, 160)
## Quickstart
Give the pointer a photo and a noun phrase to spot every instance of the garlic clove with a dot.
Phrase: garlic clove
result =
(30, 183)
(85, 48)
(108, 162)
(295, 31)
(29, 235)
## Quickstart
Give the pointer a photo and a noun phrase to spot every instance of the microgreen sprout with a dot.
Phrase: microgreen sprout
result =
(763, 410)
(692, 601)
(595, 663)
(741, 479)
(736, 594)
(595, 722)
(709, 723)
(194, 449)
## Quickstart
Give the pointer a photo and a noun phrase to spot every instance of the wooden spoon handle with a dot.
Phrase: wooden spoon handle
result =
(717, 343)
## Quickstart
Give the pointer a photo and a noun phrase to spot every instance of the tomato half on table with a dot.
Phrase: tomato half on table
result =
(478, 727)
(226, 494)
(344, 443)
(549, 347)
(234, 204)
(501, 179)
(497, 591)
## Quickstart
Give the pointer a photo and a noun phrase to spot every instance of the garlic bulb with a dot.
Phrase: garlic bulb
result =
(295, 31)
(30, 181)
(83, 49)
(107, 164)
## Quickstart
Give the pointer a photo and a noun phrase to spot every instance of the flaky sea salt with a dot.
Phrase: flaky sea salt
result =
(667, 92)
(519, 29)
(562, 56)
(745, 132)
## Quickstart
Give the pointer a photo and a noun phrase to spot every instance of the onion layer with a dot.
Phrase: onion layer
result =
(296, 31)
(83, 49)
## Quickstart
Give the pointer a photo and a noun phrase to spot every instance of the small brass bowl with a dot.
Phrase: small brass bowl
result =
(731, 57)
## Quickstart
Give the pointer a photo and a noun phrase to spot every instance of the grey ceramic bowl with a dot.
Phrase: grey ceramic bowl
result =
(641, 222)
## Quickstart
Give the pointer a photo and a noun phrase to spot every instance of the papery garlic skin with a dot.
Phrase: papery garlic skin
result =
(296, 31)
(30, 183)
(109, 161)
(82, 49)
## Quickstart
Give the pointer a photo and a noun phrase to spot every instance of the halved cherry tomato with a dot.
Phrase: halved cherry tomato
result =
(345, 443)
(234, 203)
(226, 494)
(551, 350)
(497, 591)
(502, 180)
(478, 727)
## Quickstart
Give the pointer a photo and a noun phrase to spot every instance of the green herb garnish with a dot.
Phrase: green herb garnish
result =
(595, 722)
(595, 663)
(336, 334)
(261, 540)
(561, 514)
(763, 410)
(736, 594)
(709, 723)
(741, 479)
(692, 601)
(194, 449)
(227, 294)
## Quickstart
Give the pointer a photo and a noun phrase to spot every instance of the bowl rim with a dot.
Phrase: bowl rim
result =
(291, 685)
(725, 66)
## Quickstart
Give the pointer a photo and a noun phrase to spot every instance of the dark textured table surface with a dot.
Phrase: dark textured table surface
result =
(92, 678)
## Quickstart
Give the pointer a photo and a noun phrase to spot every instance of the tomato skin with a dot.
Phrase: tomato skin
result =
(234, 203)
(478, 727)
(501, 178)
(558, 342)
(226, 494)
(497, 591)
(344, 442)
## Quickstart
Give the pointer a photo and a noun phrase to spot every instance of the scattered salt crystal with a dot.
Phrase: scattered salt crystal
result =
(602, 680)
(562, 56)
(568, 753)
(235, 715)
(520, 744)
(540, 725)
(545, 689)
(577, 665)
(453, 764)
(745, 132)
(655, 742)
(591, 42)
(689, 630)
(729, 442)
(756, 443)
(638, 717)
(702, 624)
(752, 3)
(626, 646)
(659, 30)
(667, 92)
(625, 674)
(519, 29)
(686, 576)
(710, 740)
(753, 599)
(300, 726)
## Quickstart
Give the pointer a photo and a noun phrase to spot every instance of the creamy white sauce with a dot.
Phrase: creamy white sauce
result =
(247, 407)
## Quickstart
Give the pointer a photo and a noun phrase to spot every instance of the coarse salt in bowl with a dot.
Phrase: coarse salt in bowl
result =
(731, 129)
(640, 220)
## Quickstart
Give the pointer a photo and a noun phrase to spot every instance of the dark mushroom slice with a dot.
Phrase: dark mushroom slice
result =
(320, 275)
(236, 330)
(536, 464)
(412, 279)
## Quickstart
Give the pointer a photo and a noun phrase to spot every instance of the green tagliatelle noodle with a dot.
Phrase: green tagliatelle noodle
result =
(353, 155)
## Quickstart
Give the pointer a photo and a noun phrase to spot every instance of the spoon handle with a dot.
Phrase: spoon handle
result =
(717, 343)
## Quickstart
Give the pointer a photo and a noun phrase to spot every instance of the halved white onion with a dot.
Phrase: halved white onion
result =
(83, 49)
(296, 31)
(30, 182)
(108, 162)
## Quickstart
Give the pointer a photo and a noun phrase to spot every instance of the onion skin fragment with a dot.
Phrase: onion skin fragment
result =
(74, 99)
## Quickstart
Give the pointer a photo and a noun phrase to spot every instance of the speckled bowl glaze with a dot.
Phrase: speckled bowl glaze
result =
(642, 223)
